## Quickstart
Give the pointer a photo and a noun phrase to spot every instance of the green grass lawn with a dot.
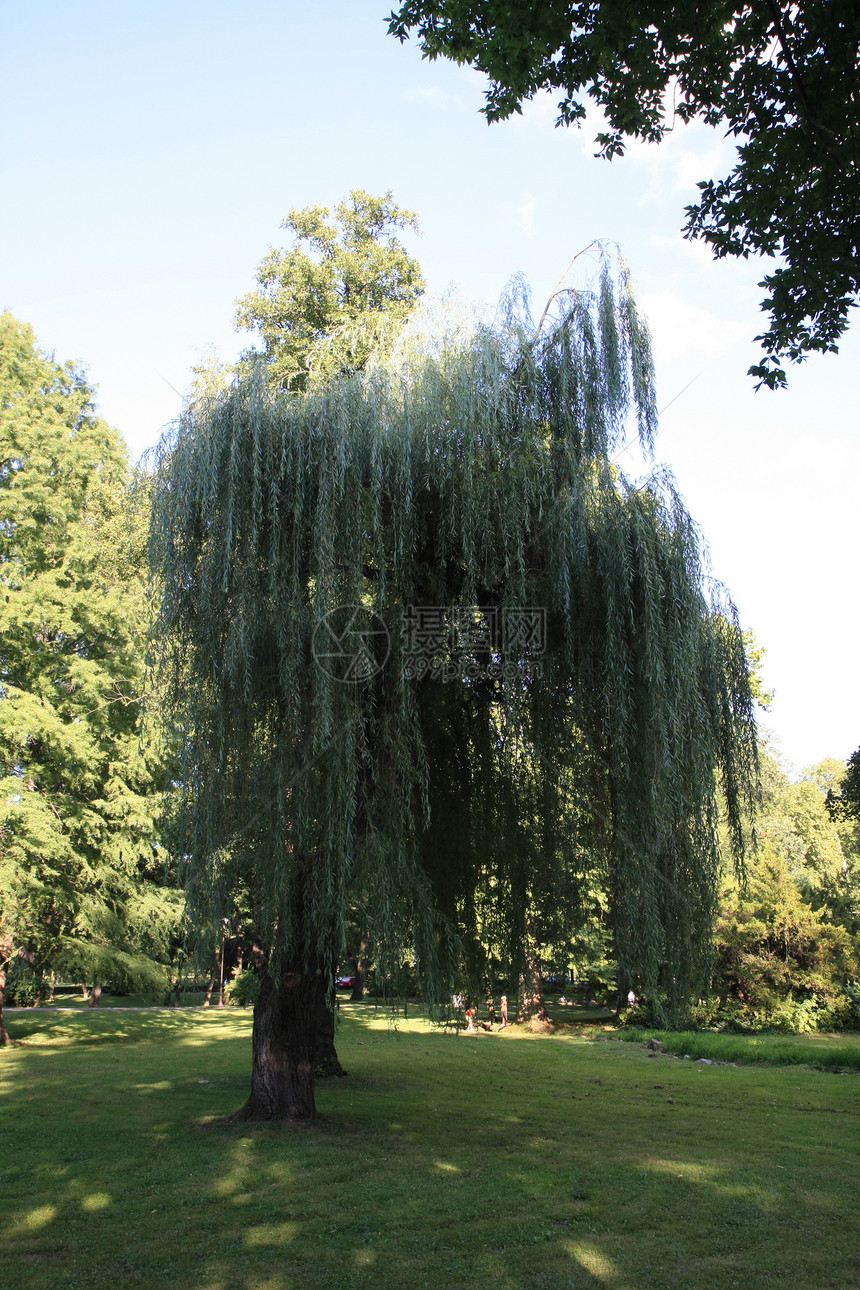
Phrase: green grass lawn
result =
(831, 1051)
(509, 1160)
(74, 999)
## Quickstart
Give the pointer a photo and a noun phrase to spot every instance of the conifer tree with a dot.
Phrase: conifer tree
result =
(82, 887)
(780, 962)
(463, 487)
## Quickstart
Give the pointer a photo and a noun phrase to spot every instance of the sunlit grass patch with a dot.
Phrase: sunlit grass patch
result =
(95, 1201)
(832, 1051)
(504, 1159)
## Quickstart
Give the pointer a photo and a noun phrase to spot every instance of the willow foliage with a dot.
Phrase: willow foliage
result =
(471, 476)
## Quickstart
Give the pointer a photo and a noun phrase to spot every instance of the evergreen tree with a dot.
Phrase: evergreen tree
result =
(81, 881)
(780, 963)
(843, 799)
(838, 893)
(786, 934)
(395, 614)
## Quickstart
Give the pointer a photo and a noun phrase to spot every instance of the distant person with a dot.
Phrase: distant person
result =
(470, 1017)
(503, 1011)
(631, 999)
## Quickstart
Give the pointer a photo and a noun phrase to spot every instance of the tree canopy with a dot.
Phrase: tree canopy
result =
(781, 963)
(82, 887)
(787, 937)
(410, 617)
(844, 803)
(782, 79)
(323, 306)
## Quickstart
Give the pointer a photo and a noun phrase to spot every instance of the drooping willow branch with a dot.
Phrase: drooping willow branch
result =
(467, 476)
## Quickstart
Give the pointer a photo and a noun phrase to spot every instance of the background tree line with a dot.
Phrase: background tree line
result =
(86, 889)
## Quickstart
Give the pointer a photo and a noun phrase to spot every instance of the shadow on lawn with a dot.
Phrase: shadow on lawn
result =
(47, 1029)
(534, 1165)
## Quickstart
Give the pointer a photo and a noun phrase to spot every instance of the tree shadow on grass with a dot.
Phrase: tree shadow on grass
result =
(48, 1029)
(534, 1164)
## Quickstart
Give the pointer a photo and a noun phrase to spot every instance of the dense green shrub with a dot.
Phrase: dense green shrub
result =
(24, 987)
(244, 989)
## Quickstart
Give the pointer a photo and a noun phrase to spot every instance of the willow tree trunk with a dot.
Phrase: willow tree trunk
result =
(326, 1060)
(360, 966)
(530, 1004)
(284, 1044)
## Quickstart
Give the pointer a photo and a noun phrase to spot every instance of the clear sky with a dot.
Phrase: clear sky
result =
(150, 152)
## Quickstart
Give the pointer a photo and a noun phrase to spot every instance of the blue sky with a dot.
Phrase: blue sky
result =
(150, 153)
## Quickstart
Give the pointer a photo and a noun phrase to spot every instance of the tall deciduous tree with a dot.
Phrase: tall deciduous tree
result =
(325, 304)
(795, 821)
(781, 78)
(81, 887)
(356, 589)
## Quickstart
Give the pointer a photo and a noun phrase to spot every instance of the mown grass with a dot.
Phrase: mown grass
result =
(509, 1160)
(825, 1051)
(74, 999)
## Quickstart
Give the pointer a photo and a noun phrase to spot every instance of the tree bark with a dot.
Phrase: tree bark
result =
(95, 997)
(4, 1034)
(212, 979)
(358, 980)
(530, 1004)
(326, 1060)
(284, 1045)
(220, 1003)
(487, 987)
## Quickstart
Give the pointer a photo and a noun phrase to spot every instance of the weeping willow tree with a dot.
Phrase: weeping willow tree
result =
(403, 614)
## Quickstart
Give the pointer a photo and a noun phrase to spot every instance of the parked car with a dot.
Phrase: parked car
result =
(345, 982)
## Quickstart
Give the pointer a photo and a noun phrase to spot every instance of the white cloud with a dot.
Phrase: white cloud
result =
(540, 112)
(704, 162)
(681, 329)
(690, 152)
(692, 248)
(448, 94)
